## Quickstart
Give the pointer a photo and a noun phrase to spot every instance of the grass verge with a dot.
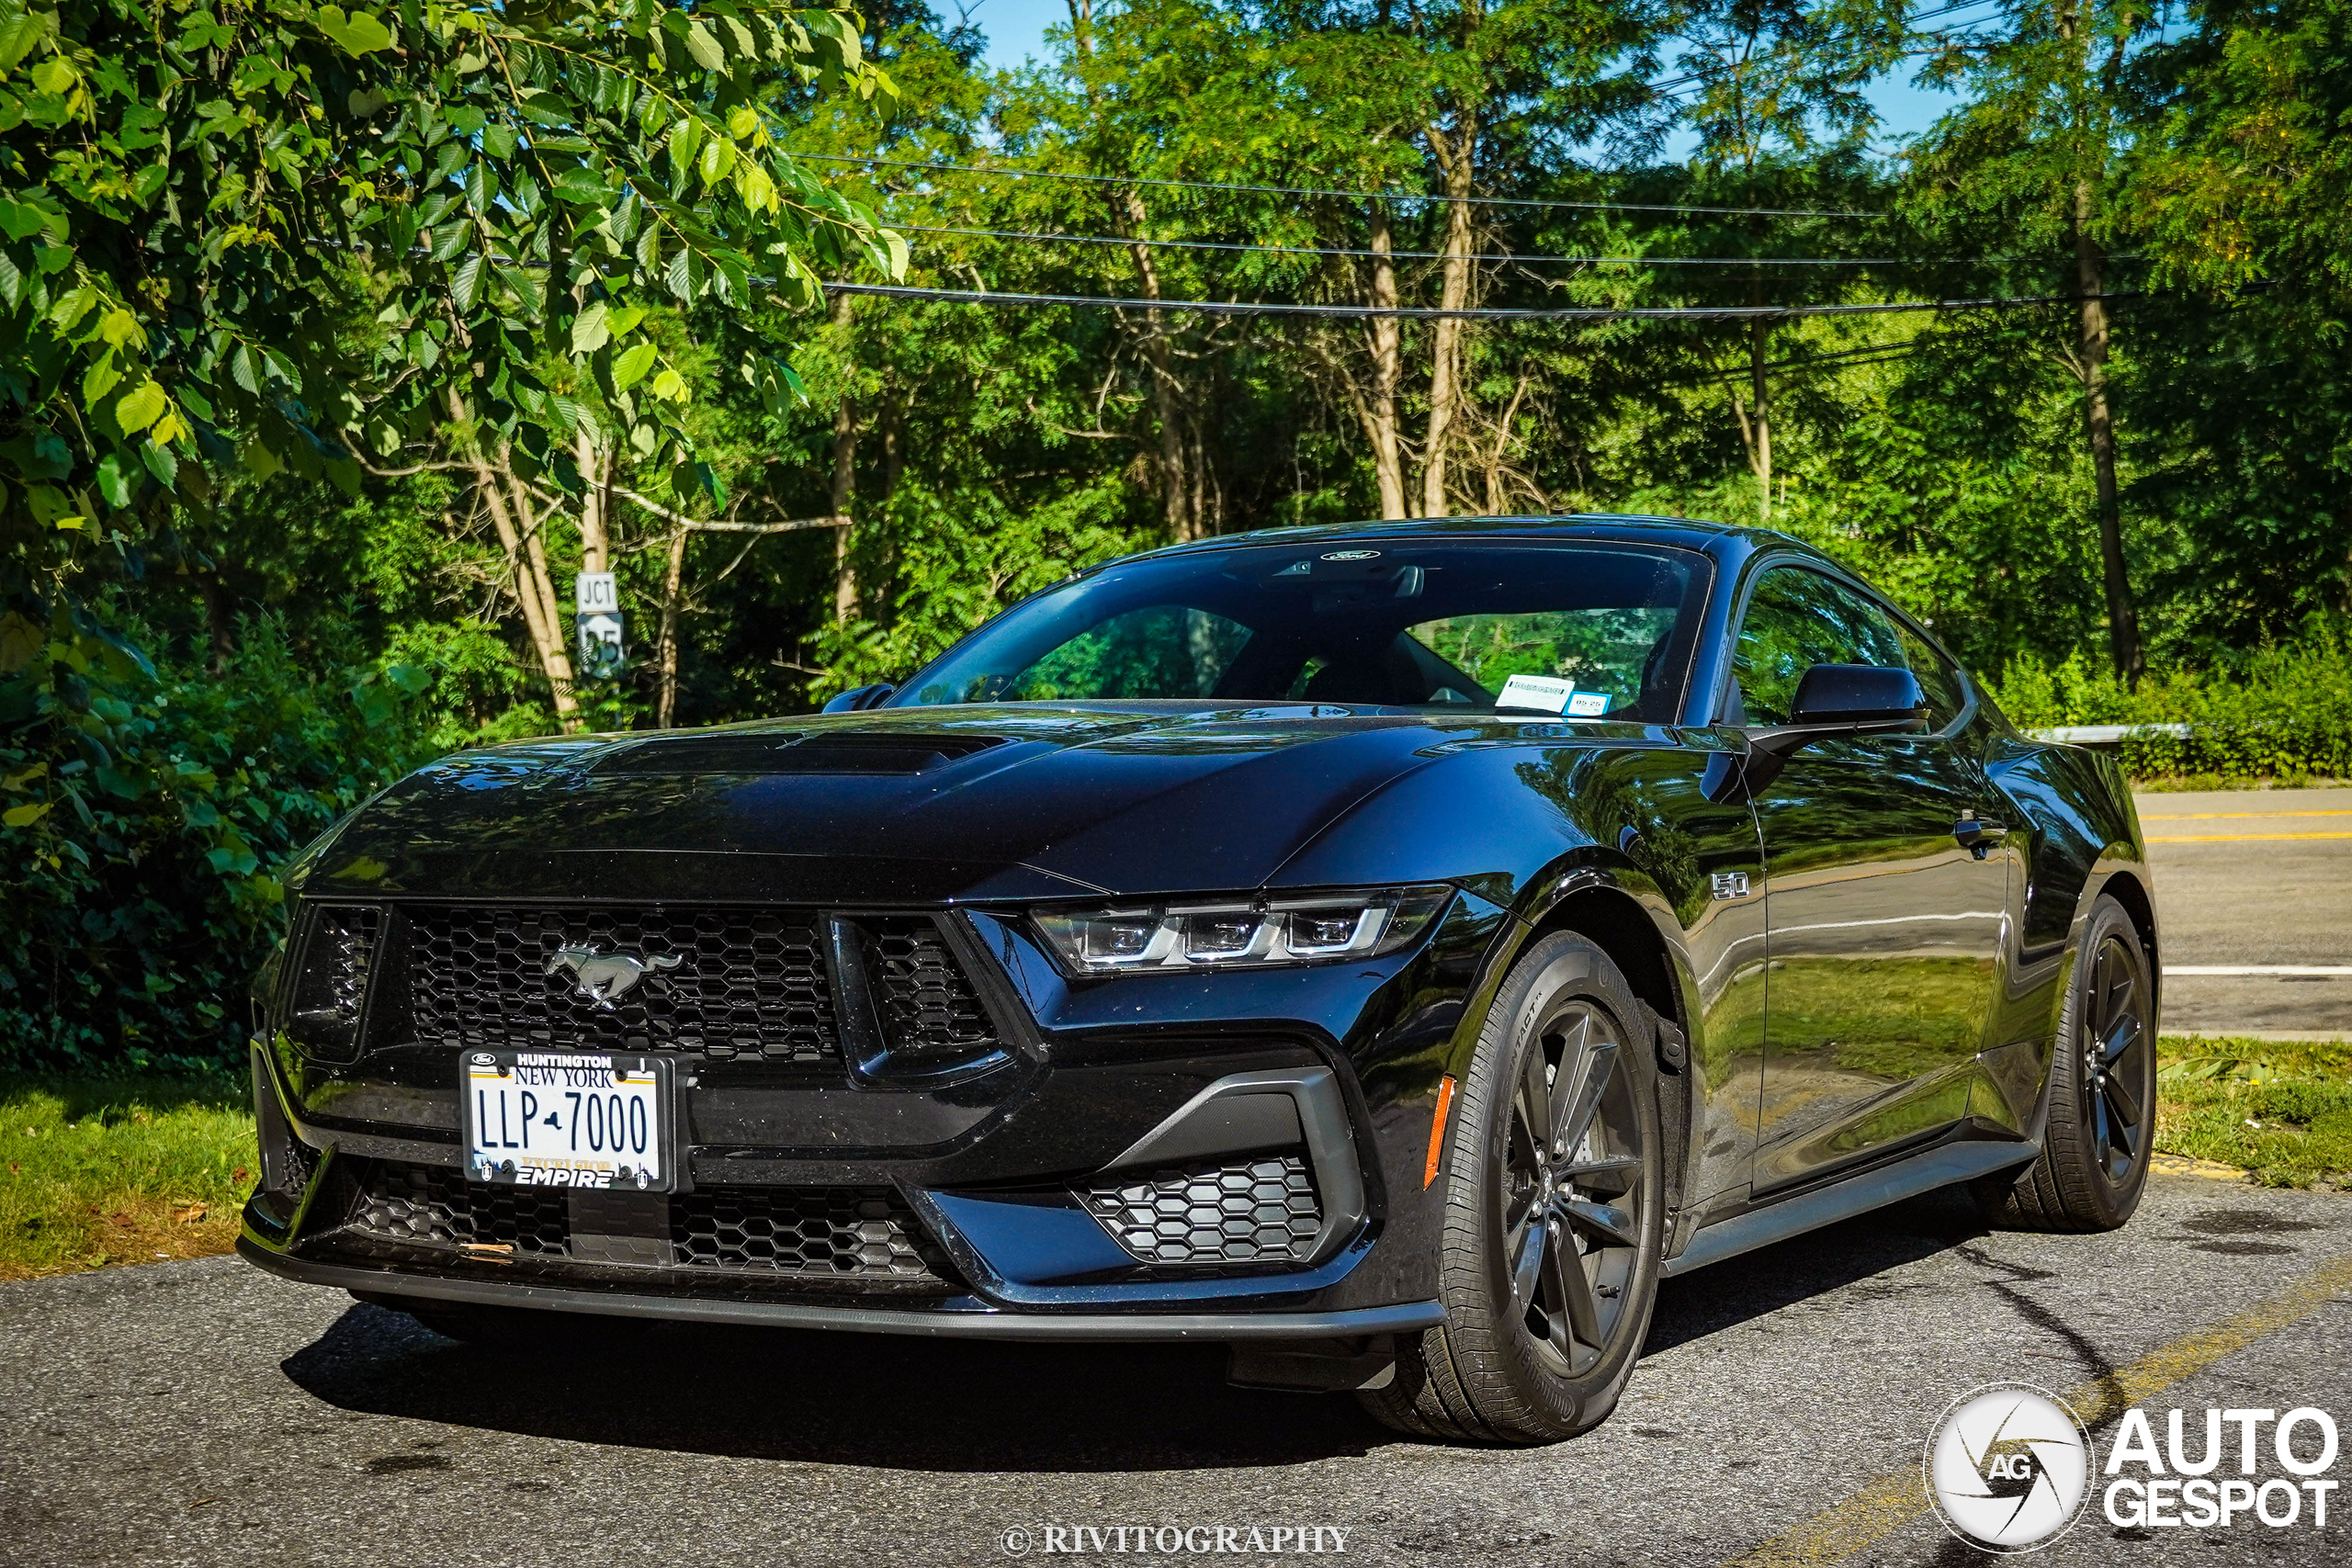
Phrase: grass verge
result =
(119, 1169)
(138, 1169)
(2280, 1111)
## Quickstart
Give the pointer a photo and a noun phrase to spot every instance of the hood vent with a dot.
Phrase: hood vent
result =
(795, 752)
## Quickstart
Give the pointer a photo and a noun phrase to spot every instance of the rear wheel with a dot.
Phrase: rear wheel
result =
(2102, 1125)
(1550, 1250)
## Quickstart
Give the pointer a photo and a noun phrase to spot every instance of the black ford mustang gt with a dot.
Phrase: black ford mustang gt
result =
(1387, 950)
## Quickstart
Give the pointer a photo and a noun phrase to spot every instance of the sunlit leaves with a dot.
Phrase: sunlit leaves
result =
(515, 186)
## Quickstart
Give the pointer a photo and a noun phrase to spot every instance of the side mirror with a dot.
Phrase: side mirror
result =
(1834, 702)
(857, 699)
(1866, 697)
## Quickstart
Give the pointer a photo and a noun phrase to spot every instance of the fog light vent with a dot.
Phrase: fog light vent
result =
(1263, 1209)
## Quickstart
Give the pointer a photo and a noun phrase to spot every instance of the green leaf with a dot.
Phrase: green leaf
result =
(355, 33)
(114, 485)
(99, 380)
(140, 407)
(498, 140)
(630, 367)
(467, 279)
(21, 219)
(681, 275)
(704, 47)
(590, 330)
(25, 816)
(159, 462)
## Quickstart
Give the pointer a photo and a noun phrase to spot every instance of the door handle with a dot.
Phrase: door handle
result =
(1978, 836)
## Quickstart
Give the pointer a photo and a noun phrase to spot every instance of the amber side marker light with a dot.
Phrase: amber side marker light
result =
(1437, 1130)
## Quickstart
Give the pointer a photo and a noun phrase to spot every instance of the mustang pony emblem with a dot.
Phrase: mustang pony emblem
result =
(603, 976)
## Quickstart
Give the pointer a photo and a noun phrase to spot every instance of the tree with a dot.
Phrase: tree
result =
(195, 198)
(2037, 157)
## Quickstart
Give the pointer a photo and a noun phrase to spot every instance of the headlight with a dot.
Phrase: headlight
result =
(1242, 933)
(330, 989)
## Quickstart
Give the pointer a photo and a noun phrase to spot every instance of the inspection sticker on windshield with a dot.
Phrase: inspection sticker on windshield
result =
(1588, 705)
(567, 1119)
(1545, 694)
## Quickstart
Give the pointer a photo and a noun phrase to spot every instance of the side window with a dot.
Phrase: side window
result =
(1795, 620)
(1938, 680)
(1164, 650)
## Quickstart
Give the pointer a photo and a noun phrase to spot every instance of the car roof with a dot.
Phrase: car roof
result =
(1685, 533)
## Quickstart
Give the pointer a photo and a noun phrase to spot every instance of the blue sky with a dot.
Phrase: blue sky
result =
(1016, 31)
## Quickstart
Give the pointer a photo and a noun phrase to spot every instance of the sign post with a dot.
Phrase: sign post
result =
(597, 600)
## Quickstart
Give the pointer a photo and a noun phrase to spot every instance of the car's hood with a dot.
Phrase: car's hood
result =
(923, 805)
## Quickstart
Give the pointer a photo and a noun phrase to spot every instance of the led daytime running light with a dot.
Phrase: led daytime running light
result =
(1256, 933)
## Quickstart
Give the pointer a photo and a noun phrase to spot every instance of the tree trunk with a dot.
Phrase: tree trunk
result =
(595, 504)
(1179, 499)
(527, 561)
(220, 620)
(2090, 272)
(673, 579)
(1382, 335)
(1445, 340)
(1755, 420)
(843, 491)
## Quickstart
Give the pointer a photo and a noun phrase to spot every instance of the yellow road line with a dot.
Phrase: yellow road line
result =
(2217, 816)
(1894, 1499)
(2233, 837)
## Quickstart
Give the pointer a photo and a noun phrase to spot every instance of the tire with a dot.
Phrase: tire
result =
(2102, 1121)
(1532, 1354)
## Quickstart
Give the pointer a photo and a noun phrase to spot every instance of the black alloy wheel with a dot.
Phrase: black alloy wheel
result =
(2102, 1093)
(1554, 1220)
(2115, 1043)
(1573, 1188)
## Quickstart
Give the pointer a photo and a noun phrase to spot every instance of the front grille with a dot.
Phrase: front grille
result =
(1262, 1210)
(831, 1233)
(721, 983)
(434, 1205)
(929, 1013)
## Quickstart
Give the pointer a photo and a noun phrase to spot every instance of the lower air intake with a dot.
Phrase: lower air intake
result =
(1262, 1210)
(825, 1232)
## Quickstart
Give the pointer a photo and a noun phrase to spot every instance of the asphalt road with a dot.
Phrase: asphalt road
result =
(2254, 879)
(203, 1413)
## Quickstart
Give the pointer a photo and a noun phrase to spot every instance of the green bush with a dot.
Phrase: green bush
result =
(2285, 712)
(146, 811)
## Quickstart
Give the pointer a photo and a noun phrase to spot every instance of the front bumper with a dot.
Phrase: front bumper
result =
(987, 1207)
(975, 1320)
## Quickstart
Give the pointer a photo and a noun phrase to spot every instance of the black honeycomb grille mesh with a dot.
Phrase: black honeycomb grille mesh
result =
(862, 1236)
(930, 1011)
(1262, 1210)
(433, 1206)
(834, 1233)
(723, 984)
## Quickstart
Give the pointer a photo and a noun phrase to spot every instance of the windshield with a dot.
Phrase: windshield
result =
(1586, 631)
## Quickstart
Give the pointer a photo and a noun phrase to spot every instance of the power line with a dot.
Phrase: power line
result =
(1418, 314)
(1345, 194)
(1665, 88)
(1440, 255)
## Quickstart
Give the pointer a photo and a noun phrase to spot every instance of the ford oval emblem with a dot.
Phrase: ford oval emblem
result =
(1352, 555)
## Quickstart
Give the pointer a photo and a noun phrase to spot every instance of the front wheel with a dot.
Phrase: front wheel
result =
(1550, 1251)
(2102, 1124)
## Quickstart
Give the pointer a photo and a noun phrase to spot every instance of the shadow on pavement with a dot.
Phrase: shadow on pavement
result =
(888, 1401)
(936, 1404)
(1842, 1259)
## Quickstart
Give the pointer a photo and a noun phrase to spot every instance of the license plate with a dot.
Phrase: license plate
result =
(568, 1119)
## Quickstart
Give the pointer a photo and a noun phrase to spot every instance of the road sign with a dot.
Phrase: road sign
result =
(595, 591)
(597, 597)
